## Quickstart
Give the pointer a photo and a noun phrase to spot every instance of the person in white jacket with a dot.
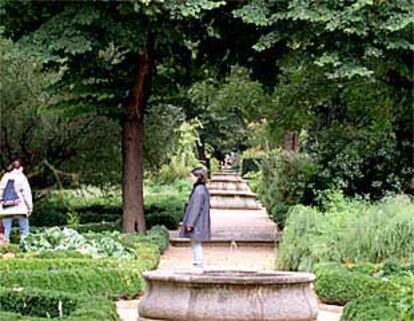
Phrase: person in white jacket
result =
(23, 209)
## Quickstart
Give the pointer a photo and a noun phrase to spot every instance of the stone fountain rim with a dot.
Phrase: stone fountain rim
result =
(228, 277)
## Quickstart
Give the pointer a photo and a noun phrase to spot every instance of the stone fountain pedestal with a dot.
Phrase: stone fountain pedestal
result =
(228, 296)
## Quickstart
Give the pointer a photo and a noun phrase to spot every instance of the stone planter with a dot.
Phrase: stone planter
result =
(228, 296)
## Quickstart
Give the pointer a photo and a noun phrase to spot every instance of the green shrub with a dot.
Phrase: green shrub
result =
(167, 220)
(337, 285)
(158, 236)
(55, 264)
(370, 309)
(163, 206)
(395, 302)
(96, 244)
(54, 255)
(250, 165)
(99, 227)
(111, 282)
(372, 292)
(42, 305)
(37, 303)
(69, 271)
(9, 248)
(349, 231)
(287, 179)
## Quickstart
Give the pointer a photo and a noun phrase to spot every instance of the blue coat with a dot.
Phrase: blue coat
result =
(197, 214)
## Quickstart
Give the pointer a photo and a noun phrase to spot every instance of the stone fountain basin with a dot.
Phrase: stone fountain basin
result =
(228, 296)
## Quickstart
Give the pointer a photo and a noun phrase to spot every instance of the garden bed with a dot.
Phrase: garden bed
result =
(370, 292)
(42, 305)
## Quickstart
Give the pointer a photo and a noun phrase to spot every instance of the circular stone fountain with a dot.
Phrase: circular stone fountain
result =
(228, 296)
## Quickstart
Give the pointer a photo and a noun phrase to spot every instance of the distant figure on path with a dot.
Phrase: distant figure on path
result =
(197, 223)
(15, 199)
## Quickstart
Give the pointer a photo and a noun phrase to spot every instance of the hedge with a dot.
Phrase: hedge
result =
(370, 309)
(158, 235)
(42, 305)
(163, 206)
(335, 284)
(110, 282)
(372, 292)
(108, 277)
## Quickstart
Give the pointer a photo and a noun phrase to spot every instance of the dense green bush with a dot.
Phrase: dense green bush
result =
(371, 292)
(372, 308)
(348, 231)
(111, 282)
(9, 248)
(163, 206)
(71, 271)
(287, 179)
(36, 303)
(250, 165)
(109, 277)
(158, 236)
(42, 305)
(337, 285)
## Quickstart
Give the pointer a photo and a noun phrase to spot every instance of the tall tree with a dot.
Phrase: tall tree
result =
(108, 53)
(345, 77)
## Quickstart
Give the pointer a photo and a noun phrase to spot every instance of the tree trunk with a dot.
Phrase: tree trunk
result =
(133, 143)
(291, 142)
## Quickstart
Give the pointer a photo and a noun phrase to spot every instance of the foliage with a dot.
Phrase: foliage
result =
(183, 159)
(9, 248)
(349, 231)
(287, 179)
(250, 165)
(336, 285)
(110, 277)
(161, 145)
(116, 282)
(345, 77)
(372, 292)
(370, 309)
(55, 238)
(54, 147)
(36, 305)
(361, 162)
(225, 109)
(157, 235)
(99, 211)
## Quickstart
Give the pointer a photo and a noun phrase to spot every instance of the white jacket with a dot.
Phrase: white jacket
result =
(23, 190)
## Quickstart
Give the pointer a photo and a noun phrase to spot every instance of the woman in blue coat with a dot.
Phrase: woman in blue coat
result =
(197, 223)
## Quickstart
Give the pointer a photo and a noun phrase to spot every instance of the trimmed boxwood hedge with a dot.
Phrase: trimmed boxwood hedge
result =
(110, 282)
(109, 277)
(42, 305)
(167, 211)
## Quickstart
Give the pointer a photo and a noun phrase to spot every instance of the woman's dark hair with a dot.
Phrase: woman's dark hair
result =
(201, 174)
(16, 164)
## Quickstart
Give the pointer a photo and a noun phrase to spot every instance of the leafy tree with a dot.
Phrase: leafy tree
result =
(227, 109)
(345, 77)
(108, 52)
(49, 142)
